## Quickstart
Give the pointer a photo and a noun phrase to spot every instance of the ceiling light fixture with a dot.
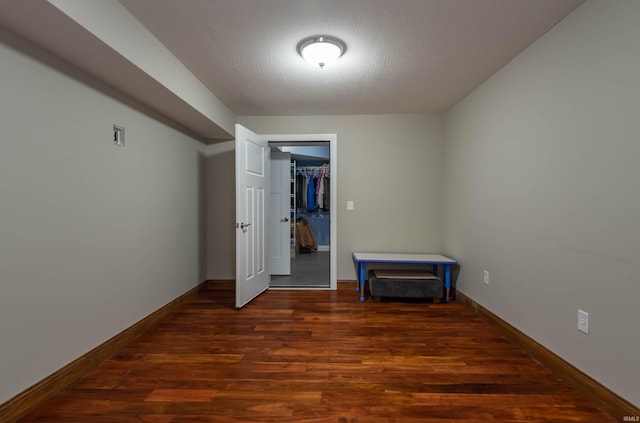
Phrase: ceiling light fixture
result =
(321, 49)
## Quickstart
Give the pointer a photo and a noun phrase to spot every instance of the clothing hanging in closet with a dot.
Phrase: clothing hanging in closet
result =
(305, 240)
(312, 189)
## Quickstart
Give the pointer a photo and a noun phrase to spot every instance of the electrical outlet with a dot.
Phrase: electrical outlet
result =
(583, 321)
(486, 277)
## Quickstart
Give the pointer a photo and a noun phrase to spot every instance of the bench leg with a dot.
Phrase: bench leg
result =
(447, 282)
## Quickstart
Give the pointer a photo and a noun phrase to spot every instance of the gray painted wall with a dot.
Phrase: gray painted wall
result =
(93, 237)
(221, 211)
(391, 167)
(542, 190)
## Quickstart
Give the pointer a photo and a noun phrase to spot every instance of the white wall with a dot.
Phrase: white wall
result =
(542, 190)
(92, 237)
(391, 167)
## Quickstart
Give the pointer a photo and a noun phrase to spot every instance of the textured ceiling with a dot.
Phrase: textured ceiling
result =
(403, 56)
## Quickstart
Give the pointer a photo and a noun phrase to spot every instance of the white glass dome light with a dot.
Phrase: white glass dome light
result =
(321, 49)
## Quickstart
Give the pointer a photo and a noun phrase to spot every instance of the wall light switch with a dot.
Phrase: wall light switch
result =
(118, 136)
(349, 205)
(583, 321)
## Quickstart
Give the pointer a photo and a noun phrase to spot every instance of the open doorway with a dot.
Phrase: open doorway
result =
(307, 166)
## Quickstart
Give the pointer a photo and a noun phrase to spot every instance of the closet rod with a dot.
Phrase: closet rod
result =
(305, 169)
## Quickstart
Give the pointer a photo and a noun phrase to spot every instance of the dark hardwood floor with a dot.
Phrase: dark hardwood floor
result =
(319, 356)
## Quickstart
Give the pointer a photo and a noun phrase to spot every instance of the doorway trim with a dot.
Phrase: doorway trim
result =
(302, 140)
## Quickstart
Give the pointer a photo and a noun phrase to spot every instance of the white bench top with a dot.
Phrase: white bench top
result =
(403, 258)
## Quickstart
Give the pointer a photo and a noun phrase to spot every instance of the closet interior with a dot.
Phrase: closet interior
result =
(310, 206)
(310, 212)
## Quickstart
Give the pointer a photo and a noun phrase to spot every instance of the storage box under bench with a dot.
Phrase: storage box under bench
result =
(405, 284)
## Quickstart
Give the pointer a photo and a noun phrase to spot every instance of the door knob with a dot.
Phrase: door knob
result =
(242, 226)
(286, 219)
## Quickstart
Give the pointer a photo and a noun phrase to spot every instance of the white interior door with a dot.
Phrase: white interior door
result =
(280, 216)
(252, 184)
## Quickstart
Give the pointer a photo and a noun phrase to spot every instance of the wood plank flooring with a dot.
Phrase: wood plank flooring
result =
(319, 356)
